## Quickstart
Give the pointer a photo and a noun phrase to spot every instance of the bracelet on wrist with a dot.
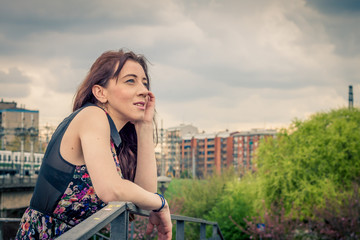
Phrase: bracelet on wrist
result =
(162, 202)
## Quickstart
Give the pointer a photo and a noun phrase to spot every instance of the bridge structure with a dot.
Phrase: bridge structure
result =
(15, 193)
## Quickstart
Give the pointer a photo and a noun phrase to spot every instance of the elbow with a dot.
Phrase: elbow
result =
(106, 196)
(111, 193)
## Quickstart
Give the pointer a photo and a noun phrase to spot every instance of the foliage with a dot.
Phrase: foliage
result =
(139, 231)
(275, 223)
(311, 160)
(196, 198)
(339, 219)
(232, 206)
(202, 195)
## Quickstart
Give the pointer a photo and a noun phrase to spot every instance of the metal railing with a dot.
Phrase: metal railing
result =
(117, 214)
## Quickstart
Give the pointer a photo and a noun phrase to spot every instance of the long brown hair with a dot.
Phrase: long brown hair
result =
(106, 67)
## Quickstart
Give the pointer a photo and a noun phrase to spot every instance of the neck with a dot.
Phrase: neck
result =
(119, 123)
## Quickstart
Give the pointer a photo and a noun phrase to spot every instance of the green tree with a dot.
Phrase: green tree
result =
(311, 160)
(233, 205)
(196, 198)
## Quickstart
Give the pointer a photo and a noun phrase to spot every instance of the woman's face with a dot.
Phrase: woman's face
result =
(128, 94)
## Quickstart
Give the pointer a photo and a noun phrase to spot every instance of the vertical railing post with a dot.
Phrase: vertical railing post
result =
(120, 226)
(180, 230)
(132, 231)
(202, 231)
(215, 228)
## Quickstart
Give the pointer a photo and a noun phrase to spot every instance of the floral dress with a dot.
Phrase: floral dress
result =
(78, 202)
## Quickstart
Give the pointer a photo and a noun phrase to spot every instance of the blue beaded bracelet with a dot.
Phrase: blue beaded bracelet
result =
(162, 202)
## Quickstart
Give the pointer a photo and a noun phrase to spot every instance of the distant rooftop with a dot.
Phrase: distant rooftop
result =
(12, 107)
(256, 132)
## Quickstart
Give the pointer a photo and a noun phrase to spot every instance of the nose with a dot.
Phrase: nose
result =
(143, 91)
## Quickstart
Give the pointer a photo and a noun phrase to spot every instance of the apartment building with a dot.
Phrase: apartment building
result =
(17, 122)
(245, 144)
(204, 153)
(189, 153)
(171, 148)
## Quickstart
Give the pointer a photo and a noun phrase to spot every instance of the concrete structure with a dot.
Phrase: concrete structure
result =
(201, 154)
(245, 145)
(15, 193)
(172, 146)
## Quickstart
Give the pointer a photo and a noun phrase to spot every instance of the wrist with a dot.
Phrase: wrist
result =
(144, 126)
(163, 203)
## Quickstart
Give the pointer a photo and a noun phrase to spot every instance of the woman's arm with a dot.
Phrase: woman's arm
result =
(146, 173)
(94, 134)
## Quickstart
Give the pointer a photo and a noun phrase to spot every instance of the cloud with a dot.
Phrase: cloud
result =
(14, 83)
(332, 7)
(213, 63)
(339, 19)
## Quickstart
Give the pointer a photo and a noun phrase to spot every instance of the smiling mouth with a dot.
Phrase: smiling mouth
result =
(139, 104)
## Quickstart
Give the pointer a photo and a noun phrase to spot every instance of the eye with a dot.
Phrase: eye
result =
(146, 84)
(130, 81)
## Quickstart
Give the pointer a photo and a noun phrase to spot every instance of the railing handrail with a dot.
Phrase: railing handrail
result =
(117, 213)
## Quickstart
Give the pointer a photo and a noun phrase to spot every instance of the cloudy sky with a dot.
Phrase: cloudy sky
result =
(216, 64)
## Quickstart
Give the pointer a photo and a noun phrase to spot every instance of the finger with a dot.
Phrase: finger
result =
(151, 96)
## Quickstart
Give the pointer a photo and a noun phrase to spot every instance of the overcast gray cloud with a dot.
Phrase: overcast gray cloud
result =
(216, 64)
(14, 84)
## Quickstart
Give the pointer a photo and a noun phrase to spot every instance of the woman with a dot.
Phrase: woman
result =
(102, 152)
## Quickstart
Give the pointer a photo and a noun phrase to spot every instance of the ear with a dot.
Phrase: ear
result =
(100, 93)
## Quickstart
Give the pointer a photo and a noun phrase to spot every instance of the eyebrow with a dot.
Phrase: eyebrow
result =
(134, 75)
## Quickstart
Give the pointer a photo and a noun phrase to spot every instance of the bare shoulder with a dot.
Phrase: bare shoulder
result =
(92, 118)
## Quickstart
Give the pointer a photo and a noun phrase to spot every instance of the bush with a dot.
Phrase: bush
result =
(232, 206)
(311, 160)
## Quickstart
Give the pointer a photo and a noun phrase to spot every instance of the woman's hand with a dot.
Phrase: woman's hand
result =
(149, 110)
(162, 220)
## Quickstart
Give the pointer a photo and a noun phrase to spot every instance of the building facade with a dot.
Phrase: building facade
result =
(187, 153)
(202, 154)
(245, 144)
(172, 140)
(17, 122)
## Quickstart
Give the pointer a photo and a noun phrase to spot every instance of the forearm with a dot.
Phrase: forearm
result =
(146, 173)
(127, 191)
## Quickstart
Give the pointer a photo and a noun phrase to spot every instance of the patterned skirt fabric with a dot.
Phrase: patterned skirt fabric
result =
(36, 225)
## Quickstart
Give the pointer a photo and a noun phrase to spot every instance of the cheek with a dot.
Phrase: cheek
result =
(120, 94)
